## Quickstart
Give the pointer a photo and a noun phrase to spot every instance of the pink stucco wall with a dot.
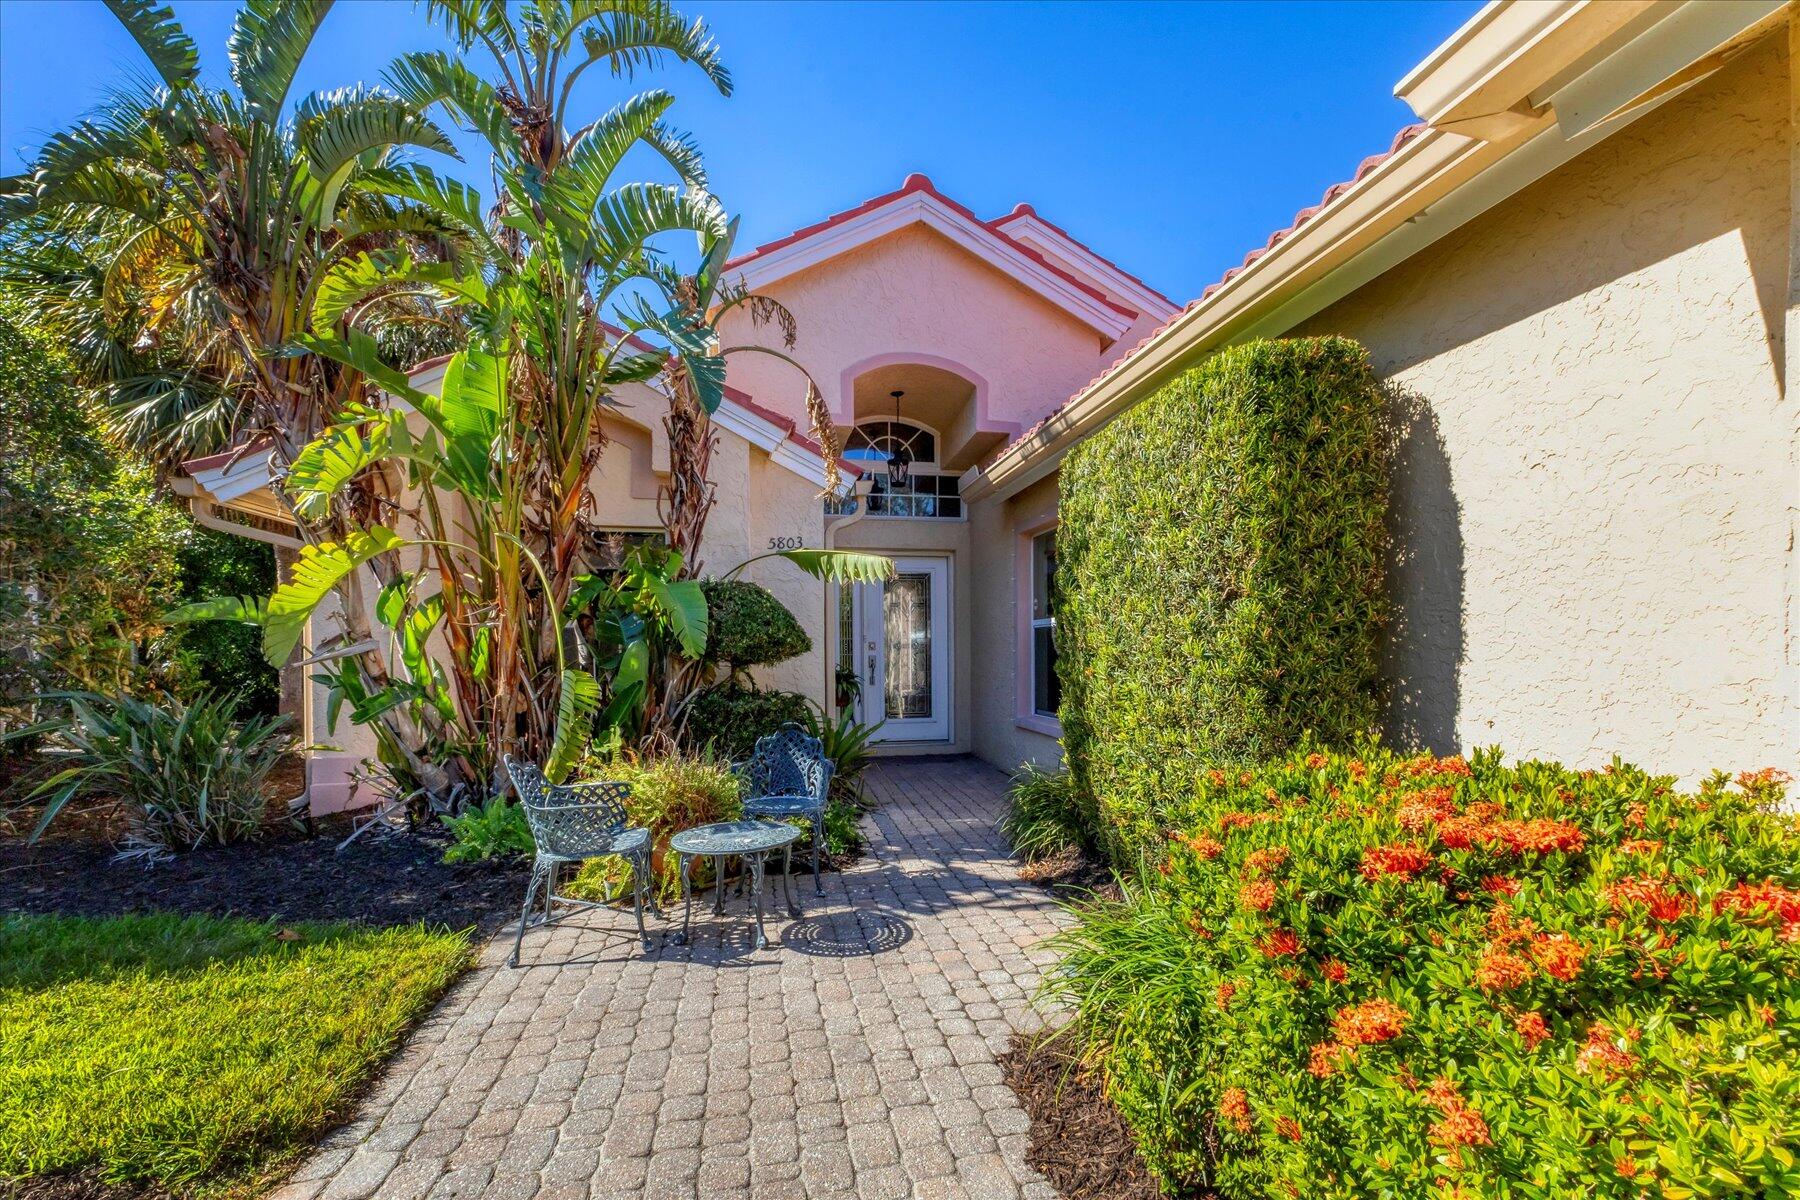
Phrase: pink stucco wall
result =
(914, 296)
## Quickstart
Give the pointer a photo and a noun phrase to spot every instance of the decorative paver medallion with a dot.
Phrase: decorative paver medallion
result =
(854, 1056)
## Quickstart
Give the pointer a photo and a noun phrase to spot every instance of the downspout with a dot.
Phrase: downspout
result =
(861, 489)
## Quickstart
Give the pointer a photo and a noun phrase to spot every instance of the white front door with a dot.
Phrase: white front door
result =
(903, 651)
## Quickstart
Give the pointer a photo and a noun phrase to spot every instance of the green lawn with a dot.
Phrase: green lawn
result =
(190, 1052)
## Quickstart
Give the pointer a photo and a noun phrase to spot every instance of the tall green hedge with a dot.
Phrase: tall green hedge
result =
(1220, 576)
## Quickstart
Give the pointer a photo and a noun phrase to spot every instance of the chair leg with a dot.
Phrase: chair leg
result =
(640, 868)
(550, 889)
(537, 874)
(818, 840)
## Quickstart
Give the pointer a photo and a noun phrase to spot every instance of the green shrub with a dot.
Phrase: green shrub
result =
(188, 1055)
(845, 741)
(1043, 814)
(497, 829)
(748, 627)
(1219, 580)
(1381, 976)
(668, 795)
(226, 656)
(188, 775)
(730, 717)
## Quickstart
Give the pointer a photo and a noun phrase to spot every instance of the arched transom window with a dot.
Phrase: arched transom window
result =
(874, 442)
(929, 493)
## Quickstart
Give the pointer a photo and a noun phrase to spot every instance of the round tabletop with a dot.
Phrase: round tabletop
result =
(734, 837)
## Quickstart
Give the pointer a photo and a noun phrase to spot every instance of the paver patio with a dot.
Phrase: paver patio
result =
(855, 1056)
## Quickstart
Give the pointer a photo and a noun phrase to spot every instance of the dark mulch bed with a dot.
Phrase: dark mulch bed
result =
(1073, 875)
(381, 878)
(1078, 1140)
(77, 1187)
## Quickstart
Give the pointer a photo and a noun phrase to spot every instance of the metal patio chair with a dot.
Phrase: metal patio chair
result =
(571, 823)
(788, 775)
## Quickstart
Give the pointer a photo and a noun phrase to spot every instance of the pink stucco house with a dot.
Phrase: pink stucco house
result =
(1579, 270)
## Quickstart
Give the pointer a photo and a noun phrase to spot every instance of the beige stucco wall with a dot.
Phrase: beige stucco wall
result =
(994, 532)
(1595, 495)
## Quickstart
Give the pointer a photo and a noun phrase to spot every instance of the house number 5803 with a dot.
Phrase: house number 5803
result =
(784, 543)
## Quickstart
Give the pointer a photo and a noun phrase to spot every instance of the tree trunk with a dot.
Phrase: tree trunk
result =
(293, 676)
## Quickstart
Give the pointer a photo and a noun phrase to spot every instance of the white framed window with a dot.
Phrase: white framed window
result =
(1046, 689)
(929, 492)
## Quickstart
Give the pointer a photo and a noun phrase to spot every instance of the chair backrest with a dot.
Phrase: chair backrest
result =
(788, 762)
(569, 820)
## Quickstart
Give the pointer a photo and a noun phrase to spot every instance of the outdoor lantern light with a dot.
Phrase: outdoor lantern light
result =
(899, 462)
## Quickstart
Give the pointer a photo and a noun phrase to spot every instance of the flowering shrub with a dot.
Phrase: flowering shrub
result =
(1383, 976)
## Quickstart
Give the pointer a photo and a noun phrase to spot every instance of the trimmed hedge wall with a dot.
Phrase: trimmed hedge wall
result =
(1220, 576)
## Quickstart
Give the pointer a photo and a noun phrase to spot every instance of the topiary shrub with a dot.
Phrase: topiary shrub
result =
(730, 717)
(1345, 977)
(748, 627)
(1220, 576)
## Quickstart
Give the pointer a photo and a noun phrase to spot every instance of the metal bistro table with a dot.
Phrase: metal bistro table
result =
(752, 841)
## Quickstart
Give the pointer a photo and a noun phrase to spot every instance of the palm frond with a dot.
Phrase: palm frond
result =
(268, 41)
(318, 571)
(631, 36)
(336, 128)
(160, 36)
(425, 78)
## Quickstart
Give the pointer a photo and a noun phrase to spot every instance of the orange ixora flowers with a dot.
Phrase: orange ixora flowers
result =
(1226, 991)
(1500, 970)
(1328, 1057)
(1403, 862)
(1758, 902)
(1540, 835)
(1258, 895)
(1264, 861)
(1281, 943)
(1333, 971)
(1234, 1106)
(1203, 846)
(1650, 894)
(1500, 885)
(1423, 809)
(1462, 1123)
(1368, 1023)
(1533, 1028)
(1559, 955)
(1604, 1056)
(1288, 1128)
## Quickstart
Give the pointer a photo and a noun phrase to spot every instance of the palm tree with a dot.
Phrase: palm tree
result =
(200, 223)
(520, 438)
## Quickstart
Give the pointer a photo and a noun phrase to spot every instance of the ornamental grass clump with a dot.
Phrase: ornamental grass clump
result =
(1351, 975)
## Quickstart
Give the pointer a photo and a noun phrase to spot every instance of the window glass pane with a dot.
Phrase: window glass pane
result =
(846, 627)
(1043, 577)
(906, 627)
(1046, 691)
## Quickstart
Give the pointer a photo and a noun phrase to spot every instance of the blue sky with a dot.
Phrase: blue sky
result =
(1171, 137)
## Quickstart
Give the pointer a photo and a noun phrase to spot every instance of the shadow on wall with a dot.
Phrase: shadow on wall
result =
(1424, 654)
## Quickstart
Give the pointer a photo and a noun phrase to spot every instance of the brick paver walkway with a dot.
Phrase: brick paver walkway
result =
(853, 1057)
